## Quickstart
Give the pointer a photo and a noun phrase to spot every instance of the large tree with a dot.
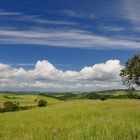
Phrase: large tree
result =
(131, 72)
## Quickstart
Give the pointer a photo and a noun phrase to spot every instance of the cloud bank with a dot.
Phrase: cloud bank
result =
(46, 77)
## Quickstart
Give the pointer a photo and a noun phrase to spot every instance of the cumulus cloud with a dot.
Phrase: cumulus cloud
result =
(104, 71)
(47, 77)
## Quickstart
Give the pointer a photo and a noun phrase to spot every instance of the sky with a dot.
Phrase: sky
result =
(66, 45)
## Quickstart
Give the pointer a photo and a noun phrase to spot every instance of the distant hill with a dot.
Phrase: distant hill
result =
(92, 95)
(119, 93)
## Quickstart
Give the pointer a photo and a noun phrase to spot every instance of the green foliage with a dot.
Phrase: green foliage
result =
(9, 106)
(109, 94)
(93, 96)
(103, 98)
(131, 73)
(42, 103)
(43, 94)
(99, 96)
(6, 96)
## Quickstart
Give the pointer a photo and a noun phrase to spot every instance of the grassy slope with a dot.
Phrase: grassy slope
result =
(74, 120)
(26, 99)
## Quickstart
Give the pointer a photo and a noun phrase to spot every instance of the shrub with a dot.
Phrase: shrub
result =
(35, 100)
(6, 96)
(103, 98)
(10, 106)
(138, 97)
(42, 103)
(1, 110)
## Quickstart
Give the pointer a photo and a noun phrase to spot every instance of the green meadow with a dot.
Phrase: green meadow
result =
(73, 119)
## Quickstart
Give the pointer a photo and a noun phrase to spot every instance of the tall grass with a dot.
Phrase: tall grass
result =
(75, 120)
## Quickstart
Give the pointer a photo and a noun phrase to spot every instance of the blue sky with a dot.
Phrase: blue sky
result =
(69, 35)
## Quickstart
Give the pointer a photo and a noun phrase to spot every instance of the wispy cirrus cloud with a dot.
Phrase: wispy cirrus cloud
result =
(65, 38)
(67, 35)
(112, 28)
(71, 13)
(25, 64)
(39, 20)
(19, 16)
(131, 10)
(6, 13)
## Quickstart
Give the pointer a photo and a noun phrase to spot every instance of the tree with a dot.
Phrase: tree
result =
(131, 72)
(10, 106)
(42, 103)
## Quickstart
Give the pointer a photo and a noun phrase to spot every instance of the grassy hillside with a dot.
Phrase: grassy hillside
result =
(30, 96)
(72, 116)
(74, 120)
(26, 100)
(92, 95)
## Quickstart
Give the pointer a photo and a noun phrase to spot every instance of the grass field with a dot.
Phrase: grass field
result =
(26, 100)
(116, 119)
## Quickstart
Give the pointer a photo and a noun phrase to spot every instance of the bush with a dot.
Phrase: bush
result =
(138, 97)
(35, 100)
(103, 98)
(6, 96)
(10, 106)
(42, 103)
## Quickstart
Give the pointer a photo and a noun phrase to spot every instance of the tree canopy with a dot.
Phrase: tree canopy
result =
(131, 72)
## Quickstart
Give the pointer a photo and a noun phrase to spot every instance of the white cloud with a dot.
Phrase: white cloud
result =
(78, 14)
(64, 38)
(23, 64)
(18, 16)
(5, 13)
(104, 71)
(3, 67)
(132, 9)
(39, 20)
(46, 77)
(112, 28)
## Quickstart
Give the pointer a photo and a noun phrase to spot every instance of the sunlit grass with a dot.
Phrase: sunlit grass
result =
(27, 99)
(75, 120)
